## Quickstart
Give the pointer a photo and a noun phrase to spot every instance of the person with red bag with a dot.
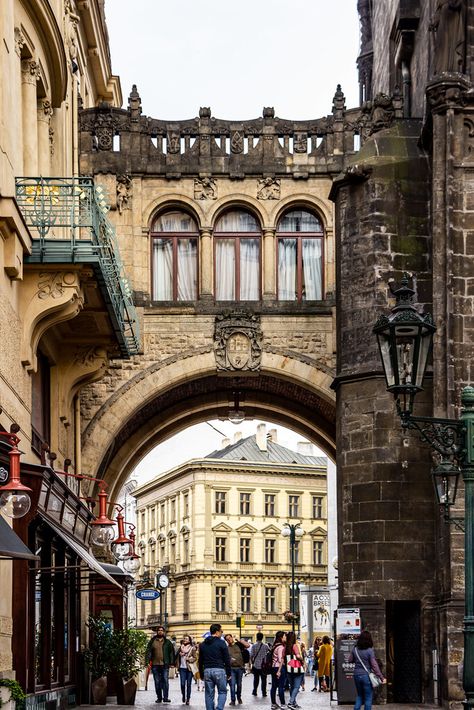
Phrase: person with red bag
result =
(294, 667)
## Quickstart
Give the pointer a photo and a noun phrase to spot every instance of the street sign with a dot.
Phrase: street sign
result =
(147, 594)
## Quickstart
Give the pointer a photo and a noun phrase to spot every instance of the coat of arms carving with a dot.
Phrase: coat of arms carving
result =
(238, 341)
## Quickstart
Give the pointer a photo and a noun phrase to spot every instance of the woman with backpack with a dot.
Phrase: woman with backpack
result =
(278, 669)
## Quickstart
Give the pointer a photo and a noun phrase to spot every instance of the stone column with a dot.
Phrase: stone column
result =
(206, 264)
(29, 79)
(45, 112)
(269, 265)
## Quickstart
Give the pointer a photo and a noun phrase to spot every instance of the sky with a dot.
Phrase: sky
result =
(235, 57)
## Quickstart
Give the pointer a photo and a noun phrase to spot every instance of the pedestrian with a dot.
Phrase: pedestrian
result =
(309, 667)
(363, 657)
(214, 667)
(305, 657)
(324, 663)
(160, 652)
(186, 657)
(237, 666)
(278, 670)
(317, 643)
(294, 667)
(174, 667)
(258, 653)
(195, 669)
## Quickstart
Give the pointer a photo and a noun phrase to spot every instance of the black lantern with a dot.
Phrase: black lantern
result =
(445, 479)
(404, 337)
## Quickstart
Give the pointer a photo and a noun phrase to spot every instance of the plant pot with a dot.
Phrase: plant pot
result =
(99, 691)
(126, 692)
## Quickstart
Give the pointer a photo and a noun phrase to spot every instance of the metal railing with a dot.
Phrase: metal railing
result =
(68, 221)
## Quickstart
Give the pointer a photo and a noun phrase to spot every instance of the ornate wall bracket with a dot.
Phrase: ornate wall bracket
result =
(238, 341)
(50, 297)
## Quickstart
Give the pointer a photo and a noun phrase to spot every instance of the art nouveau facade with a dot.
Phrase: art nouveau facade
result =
(216, 524)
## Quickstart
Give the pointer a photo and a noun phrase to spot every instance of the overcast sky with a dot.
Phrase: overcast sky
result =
(235, 57)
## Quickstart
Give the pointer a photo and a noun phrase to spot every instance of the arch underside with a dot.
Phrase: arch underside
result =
(262, 396)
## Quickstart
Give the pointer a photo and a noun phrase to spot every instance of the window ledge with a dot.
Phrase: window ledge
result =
(322, 308)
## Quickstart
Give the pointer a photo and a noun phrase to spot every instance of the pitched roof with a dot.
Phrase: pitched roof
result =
(248, 450)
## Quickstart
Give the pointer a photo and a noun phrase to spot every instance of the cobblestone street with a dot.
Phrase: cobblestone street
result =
(306, 699)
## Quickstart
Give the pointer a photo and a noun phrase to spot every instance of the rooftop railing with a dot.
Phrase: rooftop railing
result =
(68, 221)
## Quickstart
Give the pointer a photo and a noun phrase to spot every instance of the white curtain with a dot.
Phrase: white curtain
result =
(249, 270)
(162, 270)
(299, 221)
(237, 221)
(174, 222)
(187, 269)
(225, 270)
(287, 269)
(312, 276)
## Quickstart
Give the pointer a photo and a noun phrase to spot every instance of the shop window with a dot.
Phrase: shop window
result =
(237, 257)
(174, 243)
(300, 257)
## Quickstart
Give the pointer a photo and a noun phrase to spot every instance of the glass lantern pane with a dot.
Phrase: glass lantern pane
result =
(425, 343)
(385, 352)
(405, 351)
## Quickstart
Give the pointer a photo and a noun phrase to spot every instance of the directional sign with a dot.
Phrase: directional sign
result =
(147, 594)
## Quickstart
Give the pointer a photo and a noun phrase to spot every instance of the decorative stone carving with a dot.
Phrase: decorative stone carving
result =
(104, 130)
(448, 91)
(173, 142)
(268, 188)
(238, 341)
(376, 115)
(134, 105)
(237, 142)
(30, 71)
(124, 192)
(205, 189)
(51, 140)
(19, 40)
(449, 24)
(300, 143)
(71, 22)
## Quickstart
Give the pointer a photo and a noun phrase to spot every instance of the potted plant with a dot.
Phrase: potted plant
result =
(127, 657)
(97, 657)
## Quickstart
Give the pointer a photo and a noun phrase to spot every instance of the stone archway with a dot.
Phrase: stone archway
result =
(164, 398)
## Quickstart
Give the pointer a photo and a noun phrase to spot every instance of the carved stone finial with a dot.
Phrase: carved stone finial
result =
(268, 112)
(205, 112)
(339, 100)
(134, 104)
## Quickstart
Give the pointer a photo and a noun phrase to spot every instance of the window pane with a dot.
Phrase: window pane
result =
(249, 269)
(299, 221)
(312, 277)
(175, 222)
(237, 221)
(225, 270)
(287, 269)
(162, 270)
(187, 269)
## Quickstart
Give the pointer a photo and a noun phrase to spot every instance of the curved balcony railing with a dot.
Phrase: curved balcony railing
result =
(68, 221)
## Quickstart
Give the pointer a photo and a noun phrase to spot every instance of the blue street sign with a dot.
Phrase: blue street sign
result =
(147, 594)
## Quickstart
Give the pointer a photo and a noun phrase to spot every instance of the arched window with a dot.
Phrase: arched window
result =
(237, 257)
(174, 239)
(300, 257)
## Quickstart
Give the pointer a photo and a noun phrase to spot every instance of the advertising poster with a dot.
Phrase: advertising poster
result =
(322, 613)
(347, 630)
(304, 613)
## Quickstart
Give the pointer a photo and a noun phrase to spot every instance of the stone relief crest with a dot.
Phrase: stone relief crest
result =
(173, 142)
(205, 189)
(237, 142)
(238, 341)
(300, 143)
(268, 189)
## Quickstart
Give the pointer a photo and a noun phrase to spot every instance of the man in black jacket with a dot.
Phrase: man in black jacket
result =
(160, 652)
(214, 667)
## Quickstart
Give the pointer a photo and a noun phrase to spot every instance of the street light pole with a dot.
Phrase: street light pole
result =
(292, 531)
(405, 338)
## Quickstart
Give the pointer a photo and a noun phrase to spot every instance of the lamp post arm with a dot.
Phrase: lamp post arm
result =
(446, 436)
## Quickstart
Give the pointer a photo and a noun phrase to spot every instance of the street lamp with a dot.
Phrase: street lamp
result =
(405, 338)
(292, 531)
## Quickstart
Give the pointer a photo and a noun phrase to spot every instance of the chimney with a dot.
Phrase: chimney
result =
(305, 448)
(261, 437)
(272, 436)
(237, 436)
(225, 443)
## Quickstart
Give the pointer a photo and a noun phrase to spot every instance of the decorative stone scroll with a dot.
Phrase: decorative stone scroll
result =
(205, 189)
(238, 341)
(268, 189)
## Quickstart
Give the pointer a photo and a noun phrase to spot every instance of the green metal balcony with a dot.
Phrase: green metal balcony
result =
(68, 222)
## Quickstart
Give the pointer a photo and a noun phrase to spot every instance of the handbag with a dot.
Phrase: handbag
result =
(293, 664)
(374, 679)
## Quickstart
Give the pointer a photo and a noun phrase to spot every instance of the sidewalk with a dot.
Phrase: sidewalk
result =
(307, 700)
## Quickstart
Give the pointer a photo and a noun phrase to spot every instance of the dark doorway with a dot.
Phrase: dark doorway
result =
(404, 651)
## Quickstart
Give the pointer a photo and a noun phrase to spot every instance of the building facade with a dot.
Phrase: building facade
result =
(216, 523)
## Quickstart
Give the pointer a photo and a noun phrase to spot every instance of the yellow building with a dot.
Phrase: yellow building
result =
(217, 522)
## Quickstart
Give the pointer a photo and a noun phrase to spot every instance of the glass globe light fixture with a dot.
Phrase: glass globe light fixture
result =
(15, 500)
(102, 527)
(132, 564)
(299, 532)
(15, 504)
(286, 532)
(122, 547)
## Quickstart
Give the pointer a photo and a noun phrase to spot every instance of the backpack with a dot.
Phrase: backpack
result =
(244, 651)
(267, 662)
